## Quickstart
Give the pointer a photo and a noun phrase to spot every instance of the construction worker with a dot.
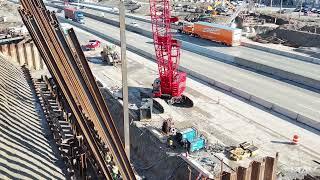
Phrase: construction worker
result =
(115, 172)
(170, 143)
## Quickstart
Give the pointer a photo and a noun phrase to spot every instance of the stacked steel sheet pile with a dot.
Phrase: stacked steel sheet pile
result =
(70, 70)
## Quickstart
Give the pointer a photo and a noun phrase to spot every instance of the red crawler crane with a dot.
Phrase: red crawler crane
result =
(171, 83)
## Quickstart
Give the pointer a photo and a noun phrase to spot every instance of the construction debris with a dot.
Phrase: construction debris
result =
(216, 148)
(244, 150)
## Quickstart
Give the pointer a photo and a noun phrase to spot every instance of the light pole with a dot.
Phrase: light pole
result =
(126, 123)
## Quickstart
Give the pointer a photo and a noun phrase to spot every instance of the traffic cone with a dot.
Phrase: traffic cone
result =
(295, 139)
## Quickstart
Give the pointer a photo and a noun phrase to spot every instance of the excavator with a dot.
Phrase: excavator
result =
(171, 83)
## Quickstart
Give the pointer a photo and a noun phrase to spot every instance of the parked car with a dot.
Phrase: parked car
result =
(221, 11)
(297, 9)
(191, 9)
(185, 7)
(307, 8)
(134, 24)
(282, 11)
(115, 9)
(177, 7)
(234, 3)
(259, 5)
(239, 3)
(199, 10)
(314, 10)
(93, 44)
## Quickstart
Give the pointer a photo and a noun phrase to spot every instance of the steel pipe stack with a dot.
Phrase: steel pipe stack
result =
(70, 70)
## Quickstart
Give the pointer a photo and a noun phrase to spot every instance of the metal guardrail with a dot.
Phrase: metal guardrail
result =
(70, 70)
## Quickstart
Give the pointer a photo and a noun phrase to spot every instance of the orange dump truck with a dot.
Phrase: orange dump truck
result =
(215, 32)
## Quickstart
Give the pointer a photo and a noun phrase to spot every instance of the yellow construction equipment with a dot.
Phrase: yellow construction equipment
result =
(244, 150)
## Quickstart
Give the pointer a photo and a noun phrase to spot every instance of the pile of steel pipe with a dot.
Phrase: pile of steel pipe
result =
(80, 164)
(70, 70)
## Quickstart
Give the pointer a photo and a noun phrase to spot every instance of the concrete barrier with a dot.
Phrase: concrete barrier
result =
(282, 53)
(240, 93)
(258, 100)
(261, 102)
(308, 121)
(284, 111)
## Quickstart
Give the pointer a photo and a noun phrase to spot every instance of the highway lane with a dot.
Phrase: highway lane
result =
(294, 98)
(287, 64)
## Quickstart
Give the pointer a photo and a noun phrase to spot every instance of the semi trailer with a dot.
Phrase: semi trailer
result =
(215, 32)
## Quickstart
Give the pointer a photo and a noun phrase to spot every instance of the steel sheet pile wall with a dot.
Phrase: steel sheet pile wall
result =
(23, 53)
(70, 70)
(265, 170)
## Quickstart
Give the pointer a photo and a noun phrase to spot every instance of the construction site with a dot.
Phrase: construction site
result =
(160, 89)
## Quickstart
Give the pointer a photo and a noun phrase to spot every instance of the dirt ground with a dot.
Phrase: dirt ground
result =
(9, 10)
(293, 30)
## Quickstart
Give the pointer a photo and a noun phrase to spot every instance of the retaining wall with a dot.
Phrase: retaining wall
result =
(265, 170)
(314, 123)
(23, 53)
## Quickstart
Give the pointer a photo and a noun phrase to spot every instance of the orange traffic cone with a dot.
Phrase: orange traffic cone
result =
(295, 139)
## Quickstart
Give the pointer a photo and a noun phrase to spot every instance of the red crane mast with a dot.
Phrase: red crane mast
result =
(171, 82)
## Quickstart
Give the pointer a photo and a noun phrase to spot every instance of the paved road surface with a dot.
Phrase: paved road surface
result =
(269, 59)
(297, 99)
